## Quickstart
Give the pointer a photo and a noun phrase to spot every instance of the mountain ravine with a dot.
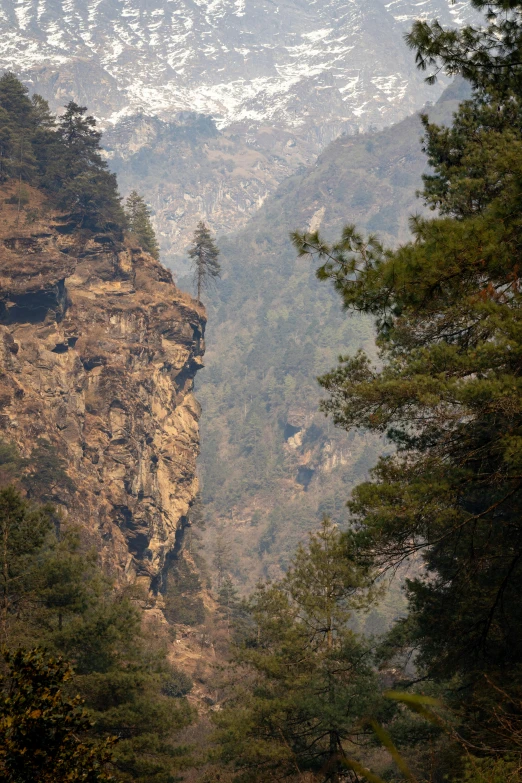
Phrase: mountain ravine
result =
(98, 351)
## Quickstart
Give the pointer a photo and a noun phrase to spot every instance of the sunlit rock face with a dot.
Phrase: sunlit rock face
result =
(98, 351)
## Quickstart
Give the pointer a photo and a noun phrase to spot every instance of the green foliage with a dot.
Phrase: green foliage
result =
(491, 771)
(204, 255)
(54, 594)
(138, 220)
(10, 463)
(77, 174)
(183, 602)
(178, 684)
(487, 55)
(271, 338)
(43, 735)
(307, 680)
(23, 532)
(447, 389)
(63, 159)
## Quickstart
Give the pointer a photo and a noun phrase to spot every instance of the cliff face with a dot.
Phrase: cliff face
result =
(98, 351)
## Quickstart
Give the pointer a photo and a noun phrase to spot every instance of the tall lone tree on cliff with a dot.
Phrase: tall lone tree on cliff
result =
(204, 254)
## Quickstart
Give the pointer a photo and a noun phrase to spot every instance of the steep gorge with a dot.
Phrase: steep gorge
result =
(98, 352)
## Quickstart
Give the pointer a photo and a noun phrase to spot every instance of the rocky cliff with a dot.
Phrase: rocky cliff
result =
(98, 352)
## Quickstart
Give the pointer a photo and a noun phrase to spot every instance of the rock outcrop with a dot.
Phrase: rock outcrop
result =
(98, 352)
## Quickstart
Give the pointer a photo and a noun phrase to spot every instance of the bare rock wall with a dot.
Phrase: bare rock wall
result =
(98, 352)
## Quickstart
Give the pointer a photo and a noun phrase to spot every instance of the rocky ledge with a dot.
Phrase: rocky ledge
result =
(98, 352)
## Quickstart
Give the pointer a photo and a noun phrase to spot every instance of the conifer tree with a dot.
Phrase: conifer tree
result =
(53, 594)
(18, 124)
(78, 176)
(204, 255)
(448, 309)
(138, 220)
(23, 531)
(44, 736)
(309, 679)
(229, 603)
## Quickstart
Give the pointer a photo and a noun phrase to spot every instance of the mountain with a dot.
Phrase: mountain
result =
(271, 465)
(188, 169)
(313, 66)
(278, 80)
(218, 110)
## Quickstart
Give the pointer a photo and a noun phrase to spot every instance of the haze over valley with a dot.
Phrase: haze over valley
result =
(260, 396)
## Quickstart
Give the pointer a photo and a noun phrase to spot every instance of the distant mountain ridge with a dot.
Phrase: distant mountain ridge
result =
(279, 80)
(324, 64)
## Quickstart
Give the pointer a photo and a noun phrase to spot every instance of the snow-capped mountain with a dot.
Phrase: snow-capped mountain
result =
(311, 65)
(280, 78)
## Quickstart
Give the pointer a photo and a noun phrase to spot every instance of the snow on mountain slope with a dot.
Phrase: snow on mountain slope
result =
(281, 79)
(315, 66)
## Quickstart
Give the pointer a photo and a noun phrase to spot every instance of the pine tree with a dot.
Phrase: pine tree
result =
(309, 678)
(44, 735)
(77, 175)
(139, 223)
(23, 531)
(448, 390)
(54, 595)
(204, 255)
(18, 125)
(229, 603)
(62, 159)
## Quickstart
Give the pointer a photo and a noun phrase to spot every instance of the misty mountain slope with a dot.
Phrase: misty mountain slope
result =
(271, 464)
(188, 170)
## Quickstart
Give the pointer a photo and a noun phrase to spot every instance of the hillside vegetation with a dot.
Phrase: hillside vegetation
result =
(271, 465)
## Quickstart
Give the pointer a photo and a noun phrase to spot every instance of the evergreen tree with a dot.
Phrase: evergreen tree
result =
(138, 220)
(448, 393)
(64, 160)
(53, 594)
(229, 603)
(23, 532)
(18, 124)
(43, 735)
(309, 679)
(78, 176)
(204, 255)
(183, 602)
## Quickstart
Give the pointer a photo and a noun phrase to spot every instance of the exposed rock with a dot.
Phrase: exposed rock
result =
(98, 351)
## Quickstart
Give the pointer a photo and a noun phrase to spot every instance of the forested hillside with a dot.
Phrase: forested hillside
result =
(271, 465)
(445, 391)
